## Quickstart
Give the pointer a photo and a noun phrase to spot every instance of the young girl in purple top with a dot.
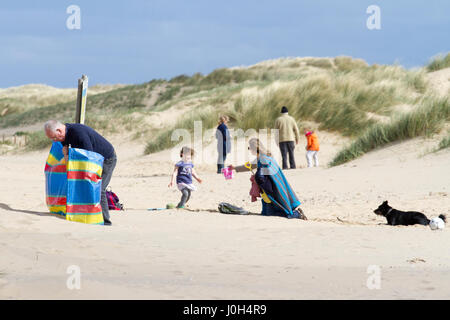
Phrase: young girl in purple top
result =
(183, 172)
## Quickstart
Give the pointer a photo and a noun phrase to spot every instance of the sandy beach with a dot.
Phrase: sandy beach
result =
(199, 253)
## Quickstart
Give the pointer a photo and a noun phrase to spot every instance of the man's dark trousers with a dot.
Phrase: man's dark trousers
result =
(287, 147)
(108, 168)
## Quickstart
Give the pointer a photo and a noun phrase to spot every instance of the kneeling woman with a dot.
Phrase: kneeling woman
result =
(278, 198)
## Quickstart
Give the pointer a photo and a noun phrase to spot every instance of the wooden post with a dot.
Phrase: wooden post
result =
(81, 99)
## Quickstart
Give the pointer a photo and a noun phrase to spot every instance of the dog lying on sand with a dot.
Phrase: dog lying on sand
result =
(406, 218)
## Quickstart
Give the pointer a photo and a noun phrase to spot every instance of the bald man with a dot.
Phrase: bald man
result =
(81, 136)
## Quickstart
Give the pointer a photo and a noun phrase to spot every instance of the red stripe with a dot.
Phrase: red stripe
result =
(57, 168)
(83, 175)
(56, 201)
(85, 208)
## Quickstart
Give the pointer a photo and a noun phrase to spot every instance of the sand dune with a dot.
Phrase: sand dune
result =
(440, 81)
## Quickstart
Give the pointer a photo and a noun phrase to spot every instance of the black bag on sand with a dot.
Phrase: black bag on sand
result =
(228, 208)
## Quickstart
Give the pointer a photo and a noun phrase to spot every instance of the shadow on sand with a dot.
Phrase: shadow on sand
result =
(6, 207)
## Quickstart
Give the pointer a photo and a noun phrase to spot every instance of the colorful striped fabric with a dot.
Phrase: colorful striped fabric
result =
(74, 190)
(56, 180)
(283, 196)
(84, 185)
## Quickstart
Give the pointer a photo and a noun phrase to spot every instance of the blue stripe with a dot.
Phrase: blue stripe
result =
(83, 191)
(59, 213)
(55, 184)
(281, 190)
(81, 204)
(56, 150)
(290, 193)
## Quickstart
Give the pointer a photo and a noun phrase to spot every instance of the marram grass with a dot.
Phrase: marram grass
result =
(427, 119)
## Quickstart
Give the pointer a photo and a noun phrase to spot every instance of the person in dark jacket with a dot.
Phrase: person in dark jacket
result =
(78, 135)
(223, 142)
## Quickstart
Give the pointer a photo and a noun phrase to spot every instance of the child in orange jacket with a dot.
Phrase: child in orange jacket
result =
(312, 148)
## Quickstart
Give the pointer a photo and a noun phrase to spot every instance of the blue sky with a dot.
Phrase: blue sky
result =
(135, 41)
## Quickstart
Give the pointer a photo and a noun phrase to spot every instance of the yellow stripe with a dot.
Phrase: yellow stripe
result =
(56, 209)
(51, 160)
(84, 166)
(90, 219)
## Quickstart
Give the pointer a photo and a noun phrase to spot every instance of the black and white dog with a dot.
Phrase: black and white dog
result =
(396, 217)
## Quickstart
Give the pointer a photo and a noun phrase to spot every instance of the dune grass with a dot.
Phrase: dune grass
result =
(125, 99)
(439, 62)
(168, 94)
(33, 140)
(427, 119)
(344, 63)
(318, 63)
(27, 97)
(338, 101)
(167, 138)
(218, 77)
(444, 143)
(37, 141)
(341, 97)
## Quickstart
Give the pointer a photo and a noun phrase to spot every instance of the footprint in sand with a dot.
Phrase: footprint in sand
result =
(415, 260)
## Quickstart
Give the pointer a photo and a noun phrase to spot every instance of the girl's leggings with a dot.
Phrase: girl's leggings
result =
(186, 194)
